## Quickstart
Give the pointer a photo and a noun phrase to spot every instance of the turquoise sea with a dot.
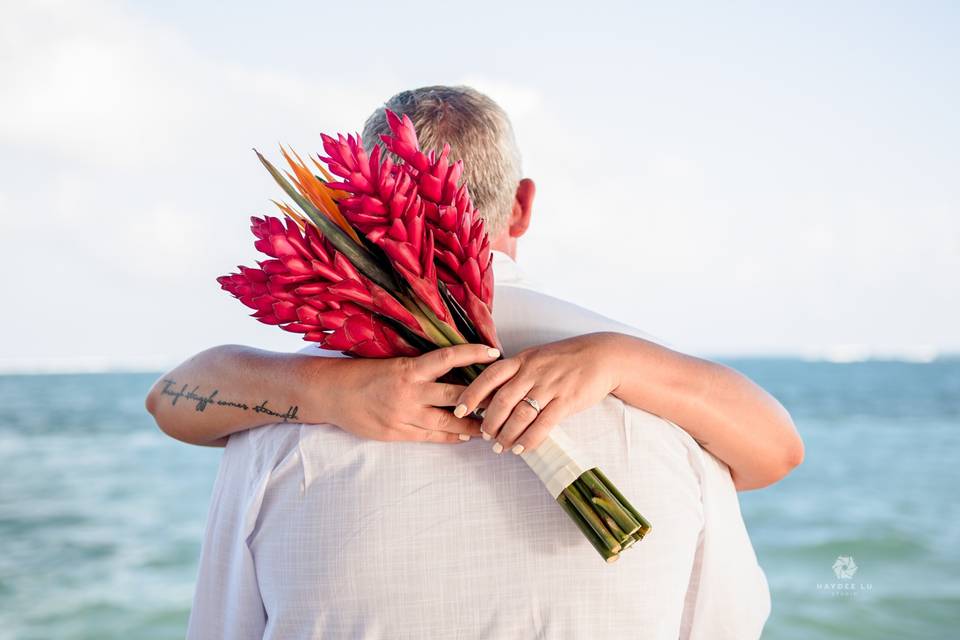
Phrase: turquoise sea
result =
(101, 516)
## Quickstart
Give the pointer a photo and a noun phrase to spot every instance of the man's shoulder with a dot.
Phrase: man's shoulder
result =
(526, 316)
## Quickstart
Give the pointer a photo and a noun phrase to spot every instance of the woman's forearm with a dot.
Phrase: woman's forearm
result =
(727, 413)
(228, 389)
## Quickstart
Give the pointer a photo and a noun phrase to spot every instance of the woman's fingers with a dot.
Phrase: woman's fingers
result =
(549, 417)
(438, 362)
(435, 425)
(522, 416)
(440, 394)
(433, 419)
(411, 433)
(486, 383)
(501, 406)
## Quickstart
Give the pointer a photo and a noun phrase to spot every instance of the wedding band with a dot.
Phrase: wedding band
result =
(533, 403)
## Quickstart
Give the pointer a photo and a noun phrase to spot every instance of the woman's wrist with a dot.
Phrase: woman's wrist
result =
(614, 351)
(646, 374)
(316, 385)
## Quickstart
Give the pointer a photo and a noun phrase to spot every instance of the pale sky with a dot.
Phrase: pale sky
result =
(753, 179)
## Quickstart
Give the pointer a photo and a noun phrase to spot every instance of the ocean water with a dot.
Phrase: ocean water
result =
(101, 516)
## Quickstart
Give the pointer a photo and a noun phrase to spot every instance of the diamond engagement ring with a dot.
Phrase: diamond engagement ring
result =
(533, 403)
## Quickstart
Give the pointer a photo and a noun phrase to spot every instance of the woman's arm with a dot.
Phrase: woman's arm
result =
(232, 388)
(228, 389)
(731, 416)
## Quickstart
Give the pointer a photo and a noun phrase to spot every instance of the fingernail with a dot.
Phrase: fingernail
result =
(463, 437)
(517, 449)
(493, 353)
(486, 436)
(460, 411)
(497, 447)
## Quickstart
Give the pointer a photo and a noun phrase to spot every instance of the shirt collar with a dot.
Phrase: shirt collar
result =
(505, 269)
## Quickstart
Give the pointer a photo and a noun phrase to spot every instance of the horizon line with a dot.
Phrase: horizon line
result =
(79, 366)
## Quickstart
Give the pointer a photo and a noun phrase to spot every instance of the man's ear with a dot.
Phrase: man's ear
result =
(522, 208)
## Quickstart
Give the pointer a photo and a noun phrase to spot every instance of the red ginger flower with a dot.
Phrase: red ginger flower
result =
(387, 208)
(420, 216)
(308, 287)
(462, 248)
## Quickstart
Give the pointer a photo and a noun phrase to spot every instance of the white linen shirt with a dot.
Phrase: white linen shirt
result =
(316, 533)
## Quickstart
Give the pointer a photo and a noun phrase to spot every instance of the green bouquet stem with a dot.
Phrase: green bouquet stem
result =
(589, 514)
(645, 526)
(602, 514)
(587, 532)
(608, 502)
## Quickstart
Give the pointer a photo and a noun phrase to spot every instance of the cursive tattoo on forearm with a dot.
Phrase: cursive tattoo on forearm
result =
(201, 402)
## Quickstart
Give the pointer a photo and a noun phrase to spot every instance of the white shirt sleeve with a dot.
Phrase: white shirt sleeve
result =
(728, 597)
(227, 602)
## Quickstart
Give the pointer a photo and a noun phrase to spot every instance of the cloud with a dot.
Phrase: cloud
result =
(91, 82)
(88, 82)
(520, 102)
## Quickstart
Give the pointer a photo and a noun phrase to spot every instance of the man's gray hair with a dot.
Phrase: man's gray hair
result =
(478, 132)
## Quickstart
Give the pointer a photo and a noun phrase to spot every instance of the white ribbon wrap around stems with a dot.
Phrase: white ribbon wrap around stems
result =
(557, 462)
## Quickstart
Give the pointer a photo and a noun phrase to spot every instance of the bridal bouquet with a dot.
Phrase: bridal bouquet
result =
(386, 256)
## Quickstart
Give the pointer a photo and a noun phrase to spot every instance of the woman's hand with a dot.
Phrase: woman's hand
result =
(563, 377)
(399, 399)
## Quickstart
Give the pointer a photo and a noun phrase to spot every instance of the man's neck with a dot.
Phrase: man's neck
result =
(505, 244)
